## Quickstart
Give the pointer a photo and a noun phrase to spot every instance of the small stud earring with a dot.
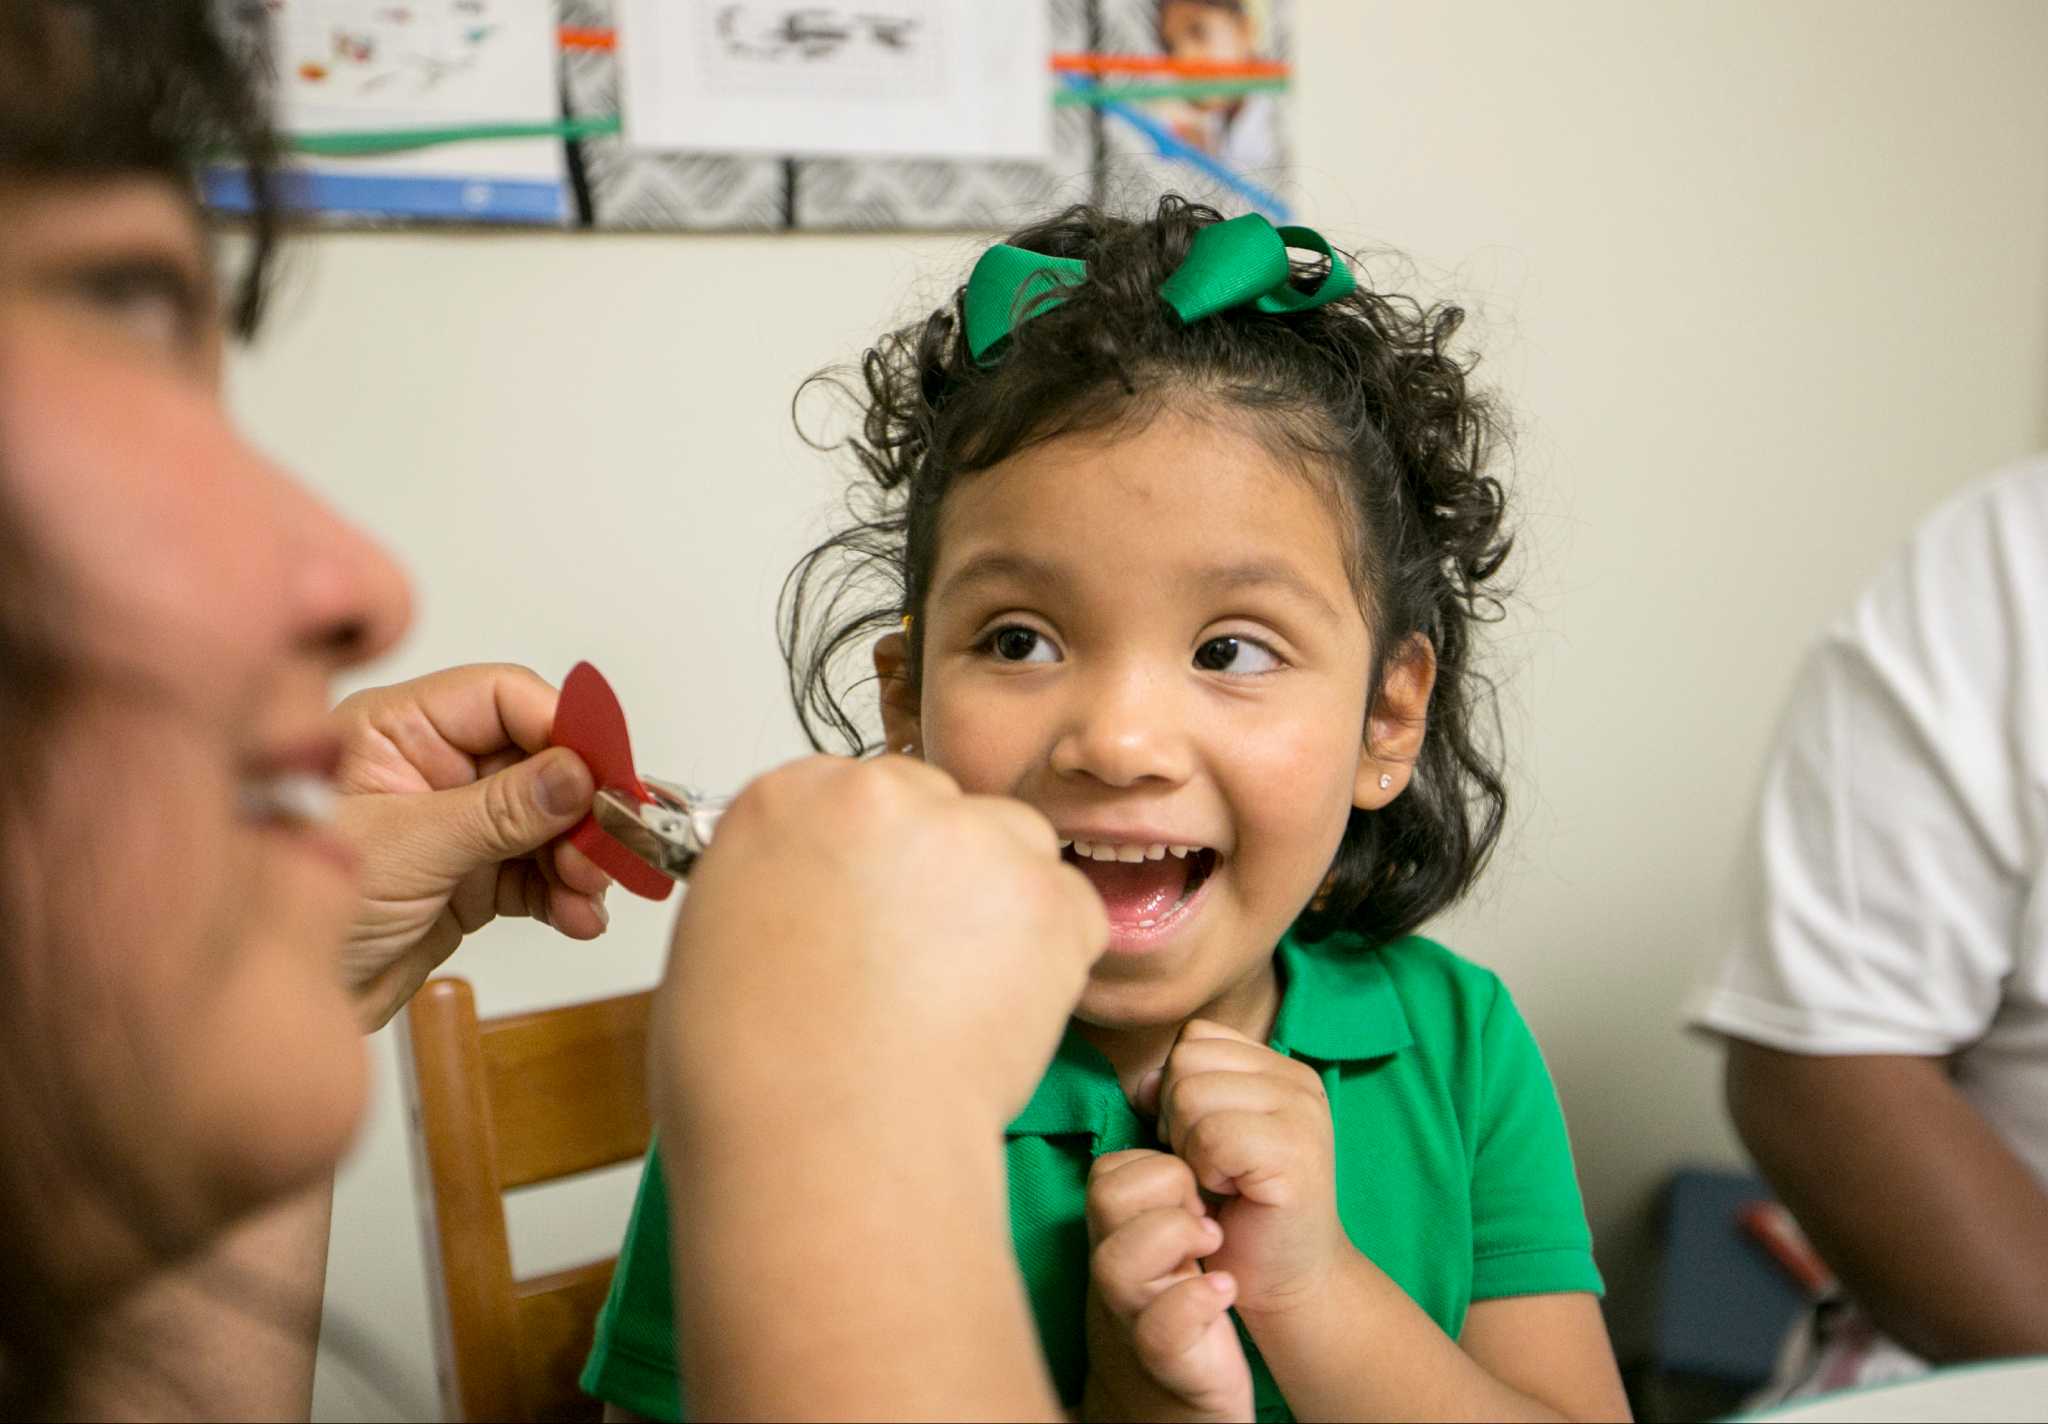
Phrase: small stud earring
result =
(1385, 781)
(910, 748)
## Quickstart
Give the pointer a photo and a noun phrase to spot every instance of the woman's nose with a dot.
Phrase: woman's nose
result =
(350, 601)
(1123, 731)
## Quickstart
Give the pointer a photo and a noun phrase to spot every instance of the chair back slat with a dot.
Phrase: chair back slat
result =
(555, 1315)
(503, 1103)
(568, 1088)
(473, 1258)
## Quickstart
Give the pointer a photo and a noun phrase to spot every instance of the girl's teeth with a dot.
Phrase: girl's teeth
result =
(1128, 854)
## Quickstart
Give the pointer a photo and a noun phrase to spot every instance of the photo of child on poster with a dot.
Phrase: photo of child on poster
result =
(1200, 106)
(1240, 131)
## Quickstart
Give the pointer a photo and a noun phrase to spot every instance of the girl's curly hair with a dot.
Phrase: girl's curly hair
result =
(1364, 392)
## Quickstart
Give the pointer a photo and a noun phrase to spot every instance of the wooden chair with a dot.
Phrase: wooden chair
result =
(502, 1103)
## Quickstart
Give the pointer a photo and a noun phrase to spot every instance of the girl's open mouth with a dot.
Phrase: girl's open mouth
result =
(1147, 889)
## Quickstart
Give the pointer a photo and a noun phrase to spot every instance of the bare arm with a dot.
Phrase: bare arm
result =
(859, 1265)
(1936, 1227)
(230, 1334)
(838, 1042)
(1542, 1357)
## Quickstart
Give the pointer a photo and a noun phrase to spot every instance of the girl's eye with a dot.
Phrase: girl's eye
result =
(1015, 644)
(1238, 655)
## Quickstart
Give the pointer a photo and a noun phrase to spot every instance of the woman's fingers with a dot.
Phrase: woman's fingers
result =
(577, 916)
(482, 707)
(576, 870)
(494, 762)
(427, 734)
(577, 910)
(520, 889)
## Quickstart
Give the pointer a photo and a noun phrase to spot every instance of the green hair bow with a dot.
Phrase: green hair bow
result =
(1231, 264)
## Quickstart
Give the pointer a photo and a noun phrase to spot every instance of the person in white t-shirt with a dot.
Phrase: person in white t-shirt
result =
(1884, 999)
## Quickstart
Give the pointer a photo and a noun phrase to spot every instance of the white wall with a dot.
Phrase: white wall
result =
(1762, 282)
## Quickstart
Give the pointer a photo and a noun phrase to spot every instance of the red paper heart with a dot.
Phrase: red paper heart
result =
(590, 723)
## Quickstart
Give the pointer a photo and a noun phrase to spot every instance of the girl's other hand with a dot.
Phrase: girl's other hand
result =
(1160, 1341)
(1253, 1126)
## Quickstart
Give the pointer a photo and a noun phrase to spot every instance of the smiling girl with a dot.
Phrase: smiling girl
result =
(1182, 544)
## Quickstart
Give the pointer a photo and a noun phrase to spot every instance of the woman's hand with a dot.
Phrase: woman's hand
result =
(1254, 1126)
(450, 797)
(1160, 1341)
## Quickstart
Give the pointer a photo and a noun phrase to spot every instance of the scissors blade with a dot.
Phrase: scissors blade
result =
(668, 832)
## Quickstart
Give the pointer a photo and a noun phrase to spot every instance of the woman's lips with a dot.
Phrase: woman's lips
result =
(293, 798)
(288, 792)
(319, 843)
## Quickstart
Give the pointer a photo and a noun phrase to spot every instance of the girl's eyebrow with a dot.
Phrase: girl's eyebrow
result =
(1270, 575)
(1001, 566)
(1004, 566)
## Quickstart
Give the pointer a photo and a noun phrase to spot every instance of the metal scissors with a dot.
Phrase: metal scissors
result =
(668, 832)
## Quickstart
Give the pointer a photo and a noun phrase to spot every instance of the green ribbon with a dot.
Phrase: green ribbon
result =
(1231, 264)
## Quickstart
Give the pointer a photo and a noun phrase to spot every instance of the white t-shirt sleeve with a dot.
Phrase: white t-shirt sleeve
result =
(1898, 834)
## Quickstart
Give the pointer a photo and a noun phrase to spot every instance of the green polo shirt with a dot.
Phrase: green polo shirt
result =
(1454, 1174)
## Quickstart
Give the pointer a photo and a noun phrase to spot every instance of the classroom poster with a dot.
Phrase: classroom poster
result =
(1228, 147)
(365, 74)
(1127, 99)
(891, 78)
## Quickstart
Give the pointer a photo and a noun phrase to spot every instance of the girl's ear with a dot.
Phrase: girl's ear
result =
(1396, 724)
(899, 700)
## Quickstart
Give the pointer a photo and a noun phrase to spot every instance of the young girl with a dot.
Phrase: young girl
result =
(1183, 546)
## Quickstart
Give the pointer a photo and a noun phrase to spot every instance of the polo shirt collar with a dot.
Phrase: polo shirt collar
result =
(1079, 1094)
(1337, 1005)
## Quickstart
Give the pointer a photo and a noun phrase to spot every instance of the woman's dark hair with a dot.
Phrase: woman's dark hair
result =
(1365, 393)
(104, 88)
(91, 90)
